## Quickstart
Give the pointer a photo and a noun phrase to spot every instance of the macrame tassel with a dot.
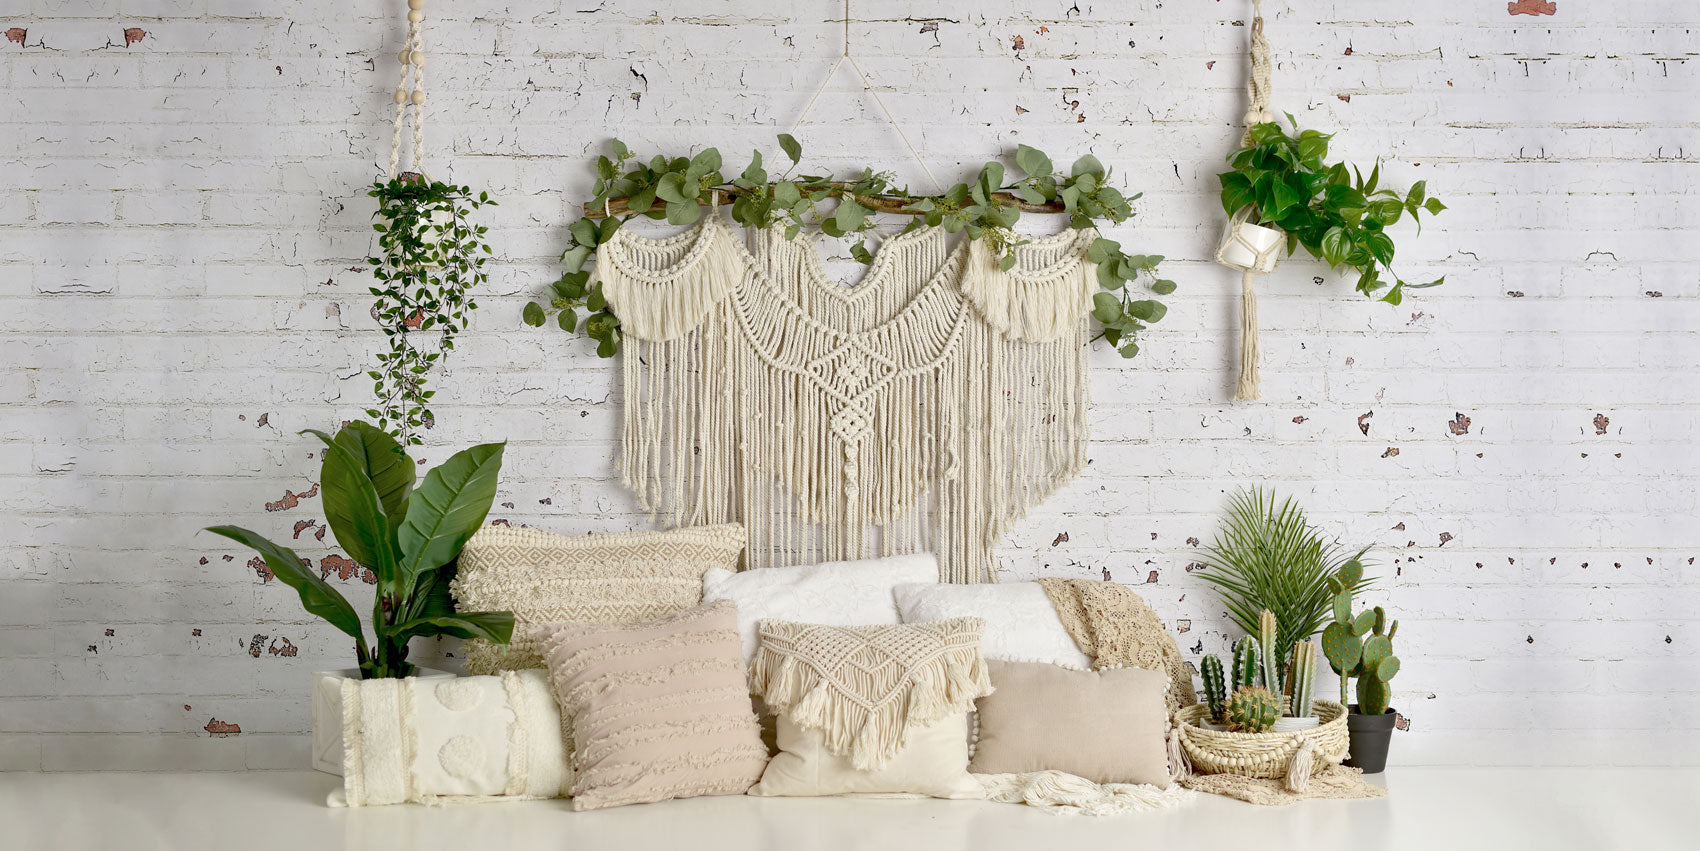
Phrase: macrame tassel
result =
(1249, 353)
(1299, 768)
(1179, 768)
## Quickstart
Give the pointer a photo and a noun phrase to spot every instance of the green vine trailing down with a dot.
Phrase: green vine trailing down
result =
(430, 258)
(1338, 215)
(676, 190)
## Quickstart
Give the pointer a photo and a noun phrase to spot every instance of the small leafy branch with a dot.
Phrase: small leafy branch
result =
(430, 258)
(677, 189)
(1338, 215)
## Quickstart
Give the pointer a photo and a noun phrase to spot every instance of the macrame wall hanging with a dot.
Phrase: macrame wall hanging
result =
(1247, 246)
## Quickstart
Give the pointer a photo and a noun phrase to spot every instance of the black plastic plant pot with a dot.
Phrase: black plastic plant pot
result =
(1370, 735)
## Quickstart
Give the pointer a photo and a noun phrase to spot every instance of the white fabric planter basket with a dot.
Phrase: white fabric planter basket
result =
(327, 714)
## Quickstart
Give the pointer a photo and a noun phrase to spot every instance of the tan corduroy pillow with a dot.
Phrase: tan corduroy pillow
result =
(619, 578)
(658, 710)
(1105, 726)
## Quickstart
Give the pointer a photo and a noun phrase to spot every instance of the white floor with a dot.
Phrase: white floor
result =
(1428, 808)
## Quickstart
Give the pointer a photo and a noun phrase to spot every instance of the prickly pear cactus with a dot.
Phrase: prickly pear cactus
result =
(1245, 663)
(1215, 689)
(1377, 666)
(1344, 650)
(1253, 709)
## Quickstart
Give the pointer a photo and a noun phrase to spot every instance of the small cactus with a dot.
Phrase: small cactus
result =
(1269, 657)
(1215, 689)
(1253, 709)
(1245, 663)
(1302, 678)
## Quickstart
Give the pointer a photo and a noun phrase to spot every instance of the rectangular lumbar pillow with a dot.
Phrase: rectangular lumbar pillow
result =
(659, 710)
(450, 738)
(1021, 623)
(1106, 726)
(868, 689)
(840, 593)
(933, 763)
(617, 578)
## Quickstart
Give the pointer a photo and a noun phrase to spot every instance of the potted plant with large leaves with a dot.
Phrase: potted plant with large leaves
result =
(409, 536)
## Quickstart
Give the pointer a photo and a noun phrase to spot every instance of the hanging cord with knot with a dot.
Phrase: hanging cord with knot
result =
(1257, 112)
(411, 90)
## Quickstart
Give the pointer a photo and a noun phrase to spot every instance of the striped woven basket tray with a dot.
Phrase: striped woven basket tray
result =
(1260, 754)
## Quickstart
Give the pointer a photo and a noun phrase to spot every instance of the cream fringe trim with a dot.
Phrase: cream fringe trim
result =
(1065, 794)
(866, 704)
(1032, 306)
(668, 301)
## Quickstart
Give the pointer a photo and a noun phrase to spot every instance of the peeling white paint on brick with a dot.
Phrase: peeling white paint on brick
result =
(181, 218)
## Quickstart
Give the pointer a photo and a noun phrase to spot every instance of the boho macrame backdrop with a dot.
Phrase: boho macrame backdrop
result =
(926, 408)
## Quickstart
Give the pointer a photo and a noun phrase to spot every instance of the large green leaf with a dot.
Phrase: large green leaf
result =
(490, 626)
(355, 513)
(317, 596)
(385, 463)
(447, 508)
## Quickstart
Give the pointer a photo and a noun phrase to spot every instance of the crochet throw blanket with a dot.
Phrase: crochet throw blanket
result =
(1111, 624)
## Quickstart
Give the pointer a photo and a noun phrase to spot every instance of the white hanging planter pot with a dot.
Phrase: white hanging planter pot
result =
(1249, 247)
(327, 714)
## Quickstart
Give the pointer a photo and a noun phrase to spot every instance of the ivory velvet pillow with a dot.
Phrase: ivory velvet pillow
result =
(842, 593)
(1106, 726)
(659, 710)
(1021, 623)
(618, 578)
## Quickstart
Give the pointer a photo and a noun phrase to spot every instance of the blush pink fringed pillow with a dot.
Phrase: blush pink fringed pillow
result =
(659, 710)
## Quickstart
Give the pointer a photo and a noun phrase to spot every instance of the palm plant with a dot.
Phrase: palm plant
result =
(1269, 556)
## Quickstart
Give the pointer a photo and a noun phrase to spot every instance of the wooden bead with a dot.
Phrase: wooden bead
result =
(415, 4)
(404, 57)
(416, 16)
(419, 58)
(418, 97)
(400, 96)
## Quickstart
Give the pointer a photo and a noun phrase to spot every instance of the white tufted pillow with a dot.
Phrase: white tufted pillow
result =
(837, 593)
(1021, 623)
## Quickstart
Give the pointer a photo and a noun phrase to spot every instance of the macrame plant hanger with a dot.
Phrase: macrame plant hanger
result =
(411, 92)
(1246, 246)
(868, 87)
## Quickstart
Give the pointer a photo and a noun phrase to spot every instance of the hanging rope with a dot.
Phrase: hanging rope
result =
(1257, 112)
(411, 90)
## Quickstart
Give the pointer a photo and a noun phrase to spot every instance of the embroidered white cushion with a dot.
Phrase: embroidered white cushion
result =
(1021, 623)
(837, 593)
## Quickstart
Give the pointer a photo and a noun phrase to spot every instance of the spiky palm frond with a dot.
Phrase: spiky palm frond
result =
(1269, 556)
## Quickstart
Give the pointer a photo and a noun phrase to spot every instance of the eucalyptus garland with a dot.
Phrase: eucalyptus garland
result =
(430, 258)
(676, 189)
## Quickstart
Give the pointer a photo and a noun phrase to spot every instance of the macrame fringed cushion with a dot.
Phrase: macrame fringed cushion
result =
(616, 578)
(445, 740)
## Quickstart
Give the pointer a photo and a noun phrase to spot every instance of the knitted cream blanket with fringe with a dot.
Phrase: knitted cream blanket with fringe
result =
(1335, 781)
(1110, 623)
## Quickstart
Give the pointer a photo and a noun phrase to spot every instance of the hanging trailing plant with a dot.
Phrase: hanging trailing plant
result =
(677, 189)
(1332, 210)
(430, 256)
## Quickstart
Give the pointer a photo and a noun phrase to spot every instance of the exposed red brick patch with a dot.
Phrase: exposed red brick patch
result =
(1018, 42)
(1151, 578)
(260, 568)
(288, 648)
(133, 35)
(1061, 538)
(1299, 420)
(1400, 721)
(1183, 625)
(1210, 65)
(1532, 7)
(1600, 423)
(1460, 424)
(1346, 98)
(222, 729)
(1363, 422)
(16, 35)
(343, 567)
(1444, 537)
(1392, 452)
(196, 632)
(1192, 542)
(304, 525)
(203, 559)
(256, 644)
(292, 499)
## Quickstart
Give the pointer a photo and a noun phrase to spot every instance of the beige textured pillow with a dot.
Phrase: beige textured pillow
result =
(867, 689)
(659, 710)
(934, 763)
(619, 578)
(1105, 726)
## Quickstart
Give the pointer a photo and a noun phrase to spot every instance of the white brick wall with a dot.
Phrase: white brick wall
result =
(179, 216)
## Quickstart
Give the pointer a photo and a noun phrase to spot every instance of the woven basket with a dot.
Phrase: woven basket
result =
(1260, 754)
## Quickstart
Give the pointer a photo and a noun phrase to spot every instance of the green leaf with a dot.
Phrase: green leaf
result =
(1419, 191)
(354, 512)
(1335, 244)
(786, 193)
(706, 162)
(317, 595)
(533, 314)
(1380, 246)
(1162, 287)
(447, 509)
(1147, 310)
(619, 149)
(641, 201)
(1087, 165)
(584, 233)
(573, 258)
(495, 627)
(1102, 249)
(1236, 191)
(1033, 161)
(671, 189)
(683, 213)
(792, 148)
(1433, 205)
(1105, 307)
(386, 464)
(991, 177)
(850, 215)
(568, 319)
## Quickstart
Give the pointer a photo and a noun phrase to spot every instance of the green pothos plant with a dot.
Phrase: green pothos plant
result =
(676, 189)
(430, 256)
(1332, 210)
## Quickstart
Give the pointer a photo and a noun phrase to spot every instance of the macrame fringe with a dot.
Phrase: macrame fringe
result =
(1250, 355)
(1066, 794)
(664, 303)
(1179, 768)
(1299, 768)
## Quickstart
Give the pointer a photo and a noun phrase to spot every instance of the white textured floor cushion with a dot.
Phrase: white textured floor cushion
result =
(1021, 623)
(424, 740)
(619, 578)
(840, 593)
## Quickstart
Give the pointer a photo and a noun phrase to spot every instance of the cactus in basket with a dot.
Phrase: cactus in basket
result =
(1215, 690)
(1253, 709)
(1360, 645)
(1269, 656)
(1302, 678)
(1245, 663)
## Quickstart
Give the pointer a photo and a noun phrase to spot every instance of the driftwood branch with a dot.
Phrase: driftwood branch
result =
(877, 203)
